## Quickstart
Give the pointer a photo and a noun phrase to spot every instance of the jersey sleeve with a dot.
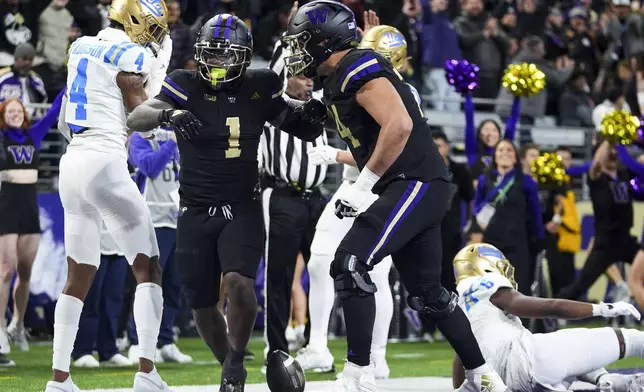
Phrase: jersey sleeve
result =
(482, 287)
(361, 67)
(273, 91)
(129, 57)
(175, 89)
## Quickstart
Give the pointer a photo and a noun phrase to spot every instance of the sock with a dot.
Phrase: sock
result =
(148, 309)
(458, 332)
(66, 319)
(359, 316)
(384, 311)
(321, 299)
(634, 342)
(485, 368)
(593, 377)
(5, 348)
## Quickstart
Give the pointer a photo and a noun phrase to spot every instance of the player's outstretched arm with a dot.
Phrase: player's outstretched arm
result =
(514, 302)
(458, 372)
(155, 112)
(304, 120)
(381, 100)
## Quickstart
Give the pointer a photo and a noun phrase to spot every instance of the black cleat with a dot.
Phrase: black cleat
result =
(233, 380)
(5, 361)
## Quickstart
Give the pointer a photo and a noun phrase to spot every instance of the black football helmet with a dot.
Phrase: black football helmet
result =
(223, 49)
(284, 373)
(316, 31)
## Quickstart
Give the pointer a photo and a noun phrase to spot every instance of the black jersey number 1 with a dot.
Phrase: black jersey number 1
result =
(233, 150)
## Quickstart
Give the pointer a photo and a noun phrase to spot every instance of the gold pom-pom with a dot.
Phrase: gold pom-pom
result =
(548, 169)
(524, 80)
(619, 126)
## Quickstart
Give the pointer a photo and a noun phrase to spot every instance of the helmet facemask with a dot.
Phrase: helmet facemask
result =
(221, 62)
(300, 61)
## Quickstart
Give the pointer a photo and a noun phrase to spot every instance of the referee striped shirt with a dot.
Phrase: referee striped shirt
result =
(284, 156)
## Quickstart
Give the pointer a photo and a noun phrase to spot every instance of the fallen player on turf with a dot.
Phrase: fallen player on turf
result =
(488, 295)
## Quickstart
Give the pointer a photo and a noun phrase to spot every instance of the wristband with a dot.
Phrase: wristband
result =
(367, 179)
(556, 219)
(597, 310)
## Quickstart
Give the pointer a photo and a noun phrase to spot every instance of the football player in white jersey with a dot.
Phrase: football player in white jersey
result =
(330, 230)
(109, 75)
(552, 361)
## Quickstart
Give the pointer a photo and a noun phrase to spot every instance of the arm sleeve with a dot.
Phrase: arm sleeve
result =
(628, 160)
(175, 89)
(150, 162)
(511, 126)
(42, 127)
(470, 133)
(578, 170)
(274, 91)
(534, 206)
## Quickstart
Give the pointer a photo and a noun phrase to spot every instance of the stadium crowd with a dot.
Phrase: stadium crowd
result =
(592, 54)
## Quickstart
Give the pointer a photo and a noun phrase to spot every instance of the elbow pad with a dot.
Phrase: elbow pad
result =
(304, 120)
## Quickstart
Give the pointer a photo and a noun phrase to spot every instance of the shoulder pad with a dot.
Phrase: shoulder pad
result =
(267, 81)
(178, 85)
(129, 57)
(361, 66)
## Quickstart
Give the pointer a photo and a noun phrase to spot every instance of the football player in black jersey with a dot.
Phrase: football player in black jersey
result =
(613, 210)
(376, 114)
(220, 110)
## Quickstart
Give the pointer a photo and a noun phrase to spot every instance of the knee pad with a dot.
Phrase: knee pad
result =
(351, 277)
(435, 302)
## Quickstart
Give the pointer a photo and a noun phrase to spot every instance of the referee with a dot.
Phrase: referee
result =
(292, 205)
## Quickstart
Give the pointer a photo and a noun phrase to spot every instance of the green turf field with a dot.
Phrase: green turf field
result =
(405, 360)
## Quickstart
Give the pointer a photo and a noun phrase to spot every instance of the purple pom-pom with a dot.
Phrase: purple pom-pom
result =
(462, 74)
(637, 183)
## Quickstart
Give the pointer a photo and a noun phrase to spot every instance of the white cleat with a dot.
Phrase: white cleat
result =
(18, 336)
(171, 353)
(118, 360)
(149, 382)
(122, 343)
(381, 369)
(67, 386)
(488, 381)
(315, 361)
(355, 378)
(86, 361)
(636, 383)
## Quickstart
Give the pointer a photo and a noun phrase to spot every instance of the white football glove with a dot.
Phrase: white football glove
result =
(159, 68)
(322, 155)
(355, 199)
(615, 310)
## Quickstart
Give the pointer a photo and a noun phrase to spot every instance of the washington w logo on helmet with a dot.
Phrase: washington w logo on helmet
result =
(318, 16)
(154, 6)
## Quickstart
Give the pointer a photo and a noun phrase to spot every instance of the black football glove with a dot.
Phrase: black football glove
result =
(314, 111)
(182, 120)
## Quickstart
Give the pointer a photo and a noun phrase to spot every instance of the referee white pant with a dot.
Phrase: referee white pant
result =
(329, 232)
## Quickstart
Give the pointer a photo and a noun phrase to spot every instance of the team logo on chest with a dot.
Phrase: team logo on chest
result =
(232, 99)
(22, 154)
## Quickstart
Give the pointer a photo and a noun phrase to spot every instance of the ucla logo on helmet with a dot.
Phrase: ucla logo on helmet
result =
(154, 6)
(489, 251)
(394, 39)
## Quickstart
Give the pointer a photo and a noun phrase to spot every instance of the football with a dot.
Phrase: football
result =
(284, 373)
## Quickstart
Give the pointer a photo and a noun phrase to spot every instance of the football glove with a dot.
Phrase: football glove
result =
(615, 310)
(314, 111)
(353, 200)
(182, 120)
(322, 155)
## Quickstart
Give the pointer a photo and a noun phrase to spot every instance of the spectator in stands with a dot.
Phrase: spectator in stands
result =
(479, 145)
(529, 153)
(531, 17)
(55, 27)
(19, 212)
(634, 93)
(614, 101)
(441, 44)
(553, 35)
(533, 51)
(18, 26)
(103, 8)
(20, 82)
(505, 200)
(563, 230)
(617, 31)
(484, 43)
(576, 104)
(182, 37)
(581, 44)
(269, 29)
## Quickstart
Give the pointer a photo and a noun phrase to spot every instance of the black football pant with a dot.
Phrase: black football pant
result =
(604, 253)
(404, 223)
(290, 218)
(560, 264)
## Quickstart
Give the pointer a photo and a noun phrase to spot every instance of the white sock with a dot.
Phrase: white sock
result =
(634, 342)
(384, 311)
(593, 377)
(148, 309)
(66, 319)
(5, 348)
(485, 368)
(321, 299)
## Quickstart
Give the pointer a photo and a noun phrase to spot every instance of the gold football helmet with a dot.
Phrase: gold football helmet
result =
(479, 259)
(144, 21)
(389, 42)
